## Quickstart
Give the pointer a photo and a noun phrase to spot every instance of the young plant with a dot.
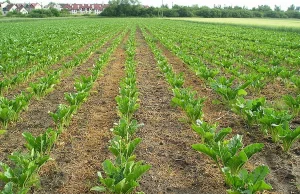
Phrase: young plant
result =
(121, 179)
(127, 106)
(230, 157)
(62, 116)
(23, 174)
(271, 119)
(288, 136)
(43, 143)
(245, 182)
(296, 80)
(45, 84)
(6, 115)
(249, 110)
(176, 81)
(293, 103)
(76, 99)
(206, 73)
(224, 87)
(186, 99)
(209, 134)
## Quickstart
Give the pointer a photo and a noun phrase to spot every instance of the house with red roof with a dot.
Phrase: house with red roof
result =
(21, 9)
(84, 8)
(9, 8)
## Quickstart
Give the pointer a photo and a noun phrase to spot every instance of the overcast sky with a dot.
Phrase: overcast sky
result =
(249, 3)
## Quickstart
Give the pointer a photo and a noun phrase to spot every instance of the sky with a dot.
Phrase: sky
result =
(284, 4)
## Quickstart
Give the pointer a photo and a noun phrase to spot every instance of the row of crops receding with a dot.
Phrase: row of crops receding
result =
(243, 109)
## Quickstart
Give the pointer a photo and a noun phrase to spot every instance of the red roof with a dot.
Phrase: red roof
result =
(75, 6)
(85, 6)
(9, 7)
(34, 4)
(67, 6)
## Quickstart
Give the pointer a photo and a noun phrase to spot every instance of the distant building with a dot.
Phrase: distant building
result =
(21, 9)
(84, 8)
(55, 6)
(2, 5)
(9, 8)
(32, 6)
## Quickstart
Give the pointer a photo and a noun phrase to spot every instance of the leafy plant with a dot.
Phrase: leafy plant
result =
(127, 106)
(23, 173)
(224, 87)
(271, 119)
(296, 80)
(176, 81)
(245, 182)
(62, 116)
(293, 103)
(209, 134)
(43, 143)
(186, 99)
(250, 110)
(206, 73)
(287, 136)
(121, 178)
(45, 84)
(76, 99)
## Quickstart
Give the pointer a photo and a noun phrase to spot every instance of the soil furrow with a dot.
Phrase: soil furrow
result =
(166, 145)
(81, 151)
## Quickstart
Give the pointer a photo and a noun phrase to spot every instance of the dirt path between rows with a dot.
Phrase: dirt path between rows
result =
(84, 146)
(166, 145)
(285, 171)
(36, 119)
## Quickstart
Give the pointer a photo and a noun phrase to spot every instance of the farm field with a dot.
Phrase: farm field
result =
(271, 23)
(159, 106)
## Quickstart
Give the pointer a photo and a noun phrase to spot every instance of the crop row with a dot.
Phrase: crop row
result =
(47, 61)
(10, 109)
(253, 111)
(23, 174)
(230, 155)
(226, 61)
(122, 174)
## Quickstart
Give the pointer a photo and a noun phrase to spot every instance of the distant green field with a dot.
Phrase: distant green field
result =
(273, 23)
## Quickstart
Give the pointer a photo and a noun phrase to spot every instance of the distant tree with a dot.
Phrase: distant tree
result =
(264, 8)
(51, 4)
(119, 2)
(291, 8)
(277, 8)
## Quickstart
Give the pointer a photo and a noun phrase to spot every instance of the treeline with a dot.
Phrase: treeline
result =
(129, 10)
(40, 13)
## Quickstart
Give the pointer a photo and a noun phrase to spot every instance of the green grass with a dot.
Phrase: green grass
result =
(276, 24)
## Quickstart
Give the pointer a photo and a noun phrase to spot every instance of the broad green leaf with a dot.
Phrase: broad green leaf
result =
(242, 92)
(251, 149)
(206, 150)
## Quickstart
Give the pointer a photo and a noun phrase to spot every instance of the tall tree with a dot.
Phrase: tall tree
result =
(291, 8)
(119, 2)
(277, 8)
